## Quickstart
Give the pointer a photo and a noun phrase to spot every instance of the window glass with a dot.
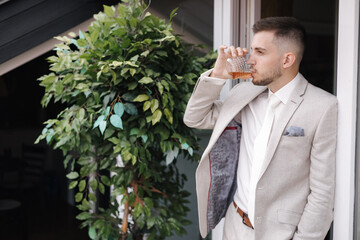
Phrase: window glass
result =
(194, 19)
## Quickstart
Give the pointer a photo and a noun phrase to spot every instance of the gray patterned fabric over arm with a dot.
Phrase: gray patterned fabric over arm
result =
(223, 161)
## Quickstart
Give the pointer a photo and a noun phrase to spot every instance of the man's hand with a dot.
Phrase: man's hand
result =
(219, 70)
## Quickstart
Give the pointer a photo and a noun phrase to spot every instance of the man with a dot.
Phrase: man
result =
(270, 184)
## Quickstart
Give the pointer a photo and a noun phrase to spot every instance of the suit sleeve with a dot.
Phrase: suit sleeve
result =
(318, 212)
(203, 107)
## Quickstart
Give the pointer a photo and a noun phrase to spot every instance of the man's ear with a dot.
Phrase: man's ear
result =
(288, 60)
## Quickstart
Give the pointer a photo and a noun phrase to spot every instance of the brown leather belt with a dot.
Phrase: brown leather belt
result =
(244, 216)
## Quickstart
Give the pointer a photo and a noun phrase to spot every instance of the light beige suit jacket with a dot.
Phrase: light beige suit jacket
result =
(295, 193)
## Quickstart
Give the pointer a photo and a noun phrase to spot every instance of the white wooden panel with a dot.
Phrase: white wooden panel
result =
(347, 75)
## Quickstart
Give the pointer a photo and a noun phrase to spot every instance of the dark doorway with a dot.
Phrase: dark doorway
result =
(318, 64)
(31, 175)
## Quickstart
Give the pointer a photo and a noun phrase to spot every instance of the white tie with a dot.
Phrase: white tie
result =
(260, 145)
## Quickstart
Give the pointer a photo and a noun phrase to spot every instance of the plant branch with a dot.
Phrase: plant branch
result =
(125, 222)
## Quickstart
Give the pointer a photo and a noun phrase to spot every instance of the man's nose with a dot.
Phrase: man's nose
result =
(250, 60)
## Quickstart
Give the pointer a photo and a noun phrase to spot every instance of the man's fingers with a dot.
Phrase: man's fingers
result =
(232, 51)
(241, 51)
(222, 49)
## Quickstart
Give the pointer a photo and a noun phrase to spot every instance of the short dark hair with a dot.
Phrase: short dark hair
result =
(285, 28)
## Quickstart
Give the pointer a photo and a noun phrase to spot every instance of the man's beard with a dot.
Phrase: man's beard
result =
(276, 73)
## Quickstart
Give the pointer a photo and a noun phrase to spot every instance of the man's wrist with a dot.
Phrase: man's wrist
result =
(215, 74)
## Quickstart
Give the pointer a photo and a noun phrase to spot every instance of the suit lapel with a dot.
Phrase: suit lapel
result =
(239, 98)
(282, 120)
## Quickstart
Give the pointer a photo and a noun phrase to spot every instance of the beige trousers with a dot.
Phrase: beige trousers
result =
(234, 228)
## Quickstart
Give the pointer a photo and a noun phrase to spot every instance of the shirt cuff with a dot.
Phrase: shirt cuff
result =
(217, 81)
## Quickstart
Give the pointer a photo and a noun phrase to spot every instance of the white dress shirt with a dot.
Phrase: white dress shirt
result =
(252, 117)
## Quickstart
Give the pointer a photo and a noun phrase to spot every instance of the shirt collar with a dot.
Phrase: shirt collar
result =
(284, 93)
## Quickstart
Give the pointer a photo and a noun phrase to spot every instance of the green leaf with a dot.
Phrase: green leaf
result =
(133, 159)
(156, 117)
(132, 85)
(82, 87)
(81, 35)
(67, 159)
(185, 146)
(94, 184)
(94, 35)
(98, 121)
(107, 111)
(134, 58)
(144, 138)
(173, 14)
(119, 109)
(82, 42)
(137, 210)
(49, 135)
(86, 204)
(101, 188)
(73, 184)
(145, 53)
(162, 131)
(146, 80)
(116, 121)
(72, 175)
(162, 53)
(154, 105)
(128, 97)
(168, 115)
(121, 10)
(81, 114)
(109, 132)
(102, 126)
(191, 151)
(141, 98)
(171, 155)
(113, 74)
(146, 105)
(131, 109)
(124, 70)
(83, 216)
(92, 197)
(49, 80)
(62, 141)
(134, 131)
(166, 85)
(82, 185)
(150, 222)
(109, 11)
(92, 233)
(160, 87)
(78, 197)
(105, 180)
(132, 71)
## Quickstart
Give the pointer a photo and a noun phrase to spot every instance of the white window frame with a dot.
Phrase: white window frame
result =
(346, 91)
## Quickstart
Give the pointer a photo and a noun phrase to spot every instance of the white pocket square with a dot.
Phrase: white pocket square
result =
(294, 131)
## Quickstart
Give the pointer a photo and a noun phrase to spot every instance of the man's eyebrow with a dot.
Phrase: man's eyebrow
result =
(259, 49)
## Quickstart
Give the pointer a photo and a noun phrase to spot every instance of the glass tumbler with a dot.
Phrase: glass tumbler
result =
(238, 68)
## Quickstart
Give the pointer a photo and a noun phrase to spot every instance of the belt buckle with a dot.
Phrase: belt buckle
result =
(243, 218)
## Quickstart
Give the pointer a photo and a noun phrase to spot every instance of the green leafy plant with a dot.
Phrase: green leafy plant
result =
(124, 84)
